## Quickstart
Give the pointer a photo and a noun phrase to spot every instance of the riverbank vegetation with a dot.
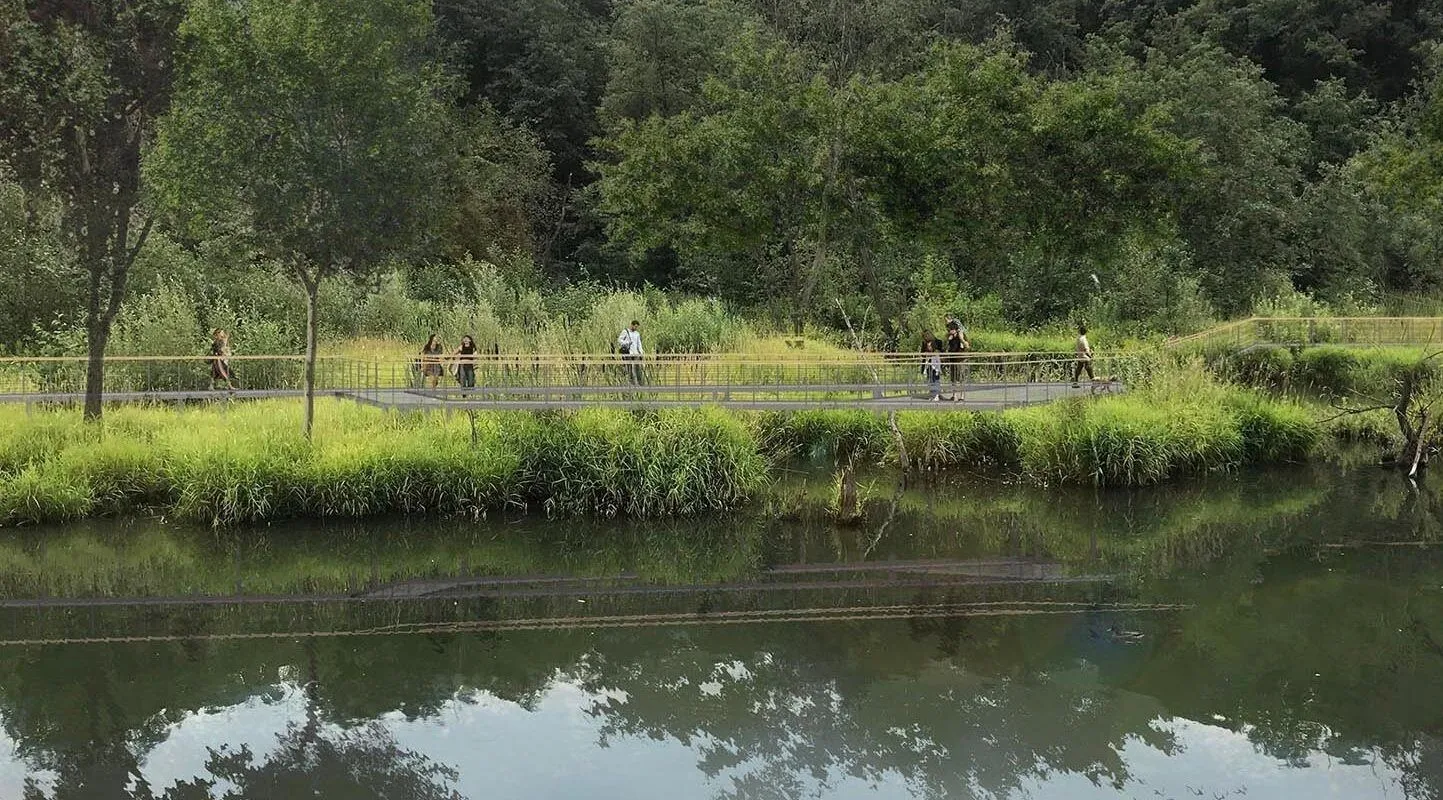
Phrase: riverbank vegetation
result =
(247, 462)
(250, 463)
(774, 169)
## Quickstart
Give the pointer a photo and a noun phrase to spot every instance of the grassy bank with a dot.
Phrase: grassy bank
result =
(1184, 423)
(1327, 371)
(247, 462)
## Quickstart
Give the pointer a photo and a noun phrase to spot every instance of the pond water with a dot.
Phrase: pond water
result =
(1261, 636)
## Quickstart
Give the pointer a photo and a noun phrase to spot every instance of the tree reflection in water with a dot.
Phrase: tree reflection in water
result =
(1300, 636)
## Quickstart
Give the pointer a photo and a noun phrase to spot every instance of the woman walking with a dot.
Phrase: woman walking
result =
(932, 365)
(466, 363)
(221, 373)
(431, 361)
(1084, 358)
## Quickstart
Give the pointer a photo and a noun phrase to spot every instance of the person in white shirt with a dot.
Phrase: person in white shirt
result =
(1084, 358)
(629, 345)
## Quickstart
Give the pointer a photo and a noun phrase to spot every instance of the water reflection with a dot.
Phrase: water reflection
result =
(1133, 532)
(1280, 641)
(1043, 707)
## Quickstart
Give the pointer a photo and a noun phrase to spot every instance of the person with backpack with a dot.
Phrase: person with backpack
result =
(628, 344)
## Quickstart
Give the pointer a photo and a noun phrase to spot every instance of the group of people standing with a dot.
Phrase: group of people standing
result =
(945, 357)
(946, 354)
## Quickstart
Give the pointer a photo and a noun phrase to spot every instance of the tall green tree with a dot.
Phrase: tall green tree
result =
(316, 127)
(80, 87)
(1403, 170)
(541, 63)
(1239, 209)
(753, 183)
(660, 53)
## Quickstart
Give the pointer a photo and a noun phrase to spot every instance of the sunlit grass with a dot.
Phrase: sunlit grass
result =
(248, 462)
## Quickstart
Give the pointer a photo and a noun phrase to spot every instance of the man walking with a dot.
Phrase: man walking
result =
(629, 345)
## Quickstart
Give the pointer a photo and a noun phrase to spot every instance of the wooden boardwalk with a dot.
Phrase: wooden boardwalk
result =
(976, 397)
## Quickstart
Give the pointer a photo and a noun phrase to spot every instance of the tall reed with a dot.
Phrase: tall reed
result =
(248, 463)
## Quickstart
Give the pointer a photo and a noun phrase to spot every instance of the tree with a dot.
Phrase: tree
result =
(751, 183)
(316, 127)
(1238, 210)
(1403, 170)
(661, 51)
(80, 87)
(539, 62)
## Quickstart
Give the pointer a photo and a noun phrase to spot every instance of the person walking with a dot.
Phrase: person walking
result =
(1084, 358)
(466, 363)
(431, 361)
(957, 343)
(932, 365)
(221, 373)
(628, 344)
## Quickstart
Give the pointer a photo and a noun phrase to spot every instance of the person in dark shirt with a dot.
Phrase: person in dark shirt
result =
(956, 344)
(466, 363)
(431, 361)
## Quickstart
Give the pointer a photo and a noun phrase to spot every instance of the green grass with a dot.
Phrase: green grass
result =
(1325, 371)
(1185, 423)
(248, 463)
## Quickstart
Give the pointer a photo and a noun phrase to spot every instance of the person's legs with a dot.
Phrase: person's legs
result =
(934, 383)
(1087, 365)
(1076, 372)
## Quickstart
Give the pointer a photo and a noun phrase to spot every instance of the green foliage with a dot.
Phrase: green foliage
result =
(1144, 166)
(1334, 373)
(818, 435)
(250, 464)
(37, 279)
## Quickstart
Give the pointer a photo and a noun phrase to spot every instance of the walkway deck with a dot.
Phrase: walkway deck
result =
(976, 397)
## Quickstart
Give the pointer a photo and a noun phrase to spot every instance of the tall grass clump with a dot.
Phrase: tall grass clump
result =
(1327, 372)
(821, 434)
(606, 462)
(967, 440)
(249, 463)
(1129, 442)
(1182, 423)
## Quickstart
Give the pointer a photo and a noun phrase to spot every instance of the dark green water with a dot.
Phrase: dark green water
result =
(1274, 636)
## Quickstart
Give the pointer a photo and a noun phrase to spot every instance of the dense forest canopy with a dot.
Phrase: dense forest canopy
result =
(1154, 163)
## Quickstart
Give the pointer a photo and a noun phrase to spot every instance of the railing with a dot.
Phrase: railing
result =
(1313, 331)
(992, 379)
(552, 379)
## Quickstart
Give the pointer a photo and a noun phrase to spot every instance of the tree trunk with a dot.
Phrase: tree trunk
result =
(1418, 445)
(97, 336)
(848, 510)
(313, 290)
